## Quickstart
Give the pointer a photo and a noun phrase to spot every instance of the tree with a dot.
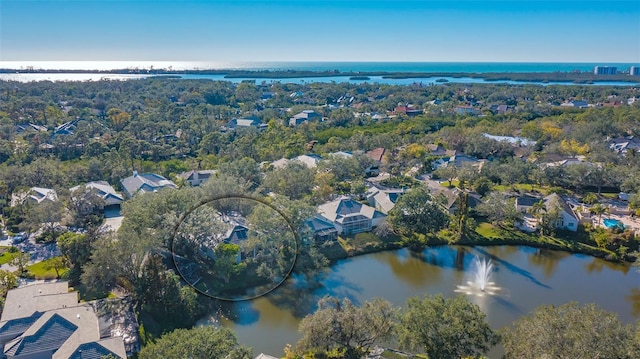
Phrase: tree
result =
(570, 331)
(342, 326)
(84, 204)
(482, 185)
(445, 328)
(415, 212)
(225, 265)
(8, 281)
(294, 181)
(598, 210)
(200, 342)
(449, 173)
(498, 208)
(21, 261)
(57, 264)
(46, 215)
(590, 198)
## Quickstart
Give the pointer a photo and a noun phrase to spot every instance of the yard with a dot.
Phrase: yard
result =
(7, 254)
(47, 268)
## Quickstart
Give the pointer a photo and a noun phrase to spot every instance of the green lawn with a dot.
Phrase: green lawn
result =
(42, 270)
(492, 233)
(7, 256)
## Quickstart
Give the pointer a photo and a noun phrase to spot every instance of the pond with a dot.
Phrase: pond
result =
(526, 278)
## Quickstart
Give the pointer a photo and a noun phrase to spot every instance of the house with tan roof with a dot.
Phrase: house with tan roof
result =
(350, 216)
(567, 218)
(145, 182)
(45, 320)
(198, 177)
(34, 195)
(384, 199)
(104, 190)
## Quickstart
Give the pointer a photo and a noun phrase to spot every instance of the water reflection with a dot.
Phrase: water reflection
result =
(408, 266)
(513, 268)
(597, 265)
(547, 260)
(634, 299)
(268, 323)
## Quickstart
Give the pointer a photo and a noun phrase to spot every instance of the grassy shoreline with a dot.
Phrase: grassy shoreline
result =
(485, 235)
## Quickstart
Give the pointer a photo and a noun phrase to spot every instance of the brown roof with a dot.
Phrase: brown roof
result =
(376, 154)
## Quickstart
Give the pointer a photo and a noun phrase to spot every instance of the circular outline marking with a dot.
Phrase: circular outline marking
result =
(235, 196)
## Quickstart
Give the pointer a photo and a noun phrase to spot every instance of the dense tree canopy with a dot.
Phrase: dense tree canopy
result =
(570, 331)
(346, 328)
(445, 328)
(200, 342)
(416, 212)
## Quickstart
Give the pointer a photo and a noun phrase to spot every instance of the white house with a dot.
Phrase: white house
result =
(35, 195)
(196, 178)
(304, 116)
(350, 216)
(383, 199)
(145, 182)
(104, 190)
(567, 218)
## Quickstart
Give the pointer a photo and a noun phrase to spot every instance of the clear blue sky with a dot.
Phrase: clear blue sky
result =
(232, 31)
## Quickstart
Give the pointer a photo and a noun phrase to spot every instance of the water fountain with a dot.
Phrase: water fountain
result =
(480, 279)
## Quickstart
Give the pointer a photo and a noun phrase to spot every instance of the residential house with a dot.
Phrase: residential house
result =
(436, 150)
(454, 197)
(350, 216)
(499, 109)
(576, 104)
(34, 195)
(145, 182)
(466, 110)
(525, 203)
(384, 199)
(281, 163)
(341, 154)
(568, 162)
(458, 160)
(45, 320)
(304, 116)
(322, 229)
(30, 127)
(265, 356)
(105, 191)
(408, 110)
(377, 154)
(513, 140)
(624, 144)
(567, 218)
(250, 122)
(310, 160)
(67, 128)
(198, 177)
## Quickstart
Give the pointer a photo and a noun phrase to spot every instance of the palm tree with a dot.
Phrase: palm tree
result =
(598, 210)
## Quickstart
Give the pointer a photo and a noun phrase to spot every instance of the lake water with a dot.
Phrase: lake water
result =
(58, 77)
(528, 277)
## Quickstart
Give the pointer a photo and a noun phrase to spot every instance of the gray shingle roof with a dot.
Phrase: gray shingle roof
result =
(50, 336)
(20, 325)
(91, 351)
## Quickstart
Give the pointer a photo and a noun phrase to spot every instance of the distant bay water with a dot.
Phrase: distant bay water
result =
(458, 67)
(34, 74)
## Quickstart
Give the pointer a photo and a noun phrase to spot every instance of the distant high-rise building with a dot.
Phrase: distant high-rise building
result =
(605, 70)
(634, 71)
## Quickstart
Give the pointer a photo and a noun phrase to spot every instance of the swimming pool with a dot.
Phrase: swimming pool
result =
(609, 223)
